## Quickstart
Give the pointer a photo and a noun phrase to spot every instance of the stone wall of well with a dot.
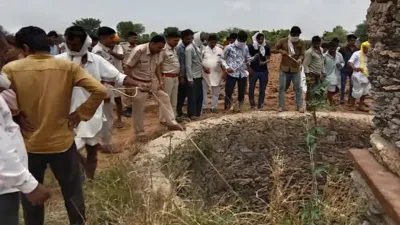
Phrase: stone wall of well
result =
(383, 21)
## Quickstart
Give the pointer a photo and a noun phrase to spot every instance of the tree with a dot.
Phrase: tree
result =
(272, 37)
(337, 32)
(361, 32)
(91, 25)
(144, 38)
(124, 27)
(170, 30)
(153, 34)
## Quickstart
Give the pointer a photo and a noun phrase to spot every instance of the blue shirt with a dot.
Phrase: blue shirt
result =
(53, 50)
(255, 65)
(180, 49)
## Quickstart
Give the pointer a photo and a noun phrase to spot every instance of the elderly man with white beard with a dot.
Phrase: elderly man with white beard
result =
(78, 43)
(212, 59)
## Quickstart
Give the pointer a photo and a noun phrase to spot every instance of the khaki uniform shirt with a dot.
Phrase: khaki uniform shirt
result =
(43, 86)
(169, 60)
(127, 51)
(143, 63)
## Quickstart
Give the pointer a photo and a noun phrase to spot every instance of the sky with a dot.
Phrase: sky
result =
(313, 16)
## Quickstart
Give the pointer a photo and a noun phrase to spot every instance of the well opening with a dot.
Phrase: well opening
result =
(266, 160)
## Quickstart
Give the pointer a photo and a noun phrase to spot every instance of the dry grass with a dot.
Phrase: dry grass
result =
(121, 195)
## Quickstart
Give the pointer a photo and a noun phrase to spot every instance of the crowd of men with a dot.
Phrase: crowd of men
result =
(59, 98)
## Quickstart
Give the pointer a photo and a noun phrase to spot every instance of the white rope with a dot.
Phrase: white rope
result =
(201, 152)
(183, 130)
(124, 94)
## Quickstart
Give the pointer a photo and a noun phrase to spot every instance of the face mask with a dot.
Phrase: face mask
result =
(240, 44)
(294, 39)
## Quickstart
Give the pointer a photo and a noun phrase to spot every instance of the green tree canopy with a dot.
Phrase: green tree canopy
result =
(153, 34)
(91, 25)
(144, 38)
(170, 30)
(338, 32)
(361, 32)
(272, 37)
(124, 27)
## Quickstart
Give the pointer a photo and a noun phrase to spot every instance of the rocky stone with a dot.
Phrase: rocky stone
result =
(383, 21)
(330, 139)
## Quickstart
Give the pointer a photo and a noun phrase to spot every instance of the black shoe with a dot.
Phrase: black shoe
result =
(127, 112)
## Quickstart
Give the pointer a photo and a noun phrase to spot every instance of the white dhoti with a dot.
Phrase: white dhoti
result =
(87, 133)
(360, 88)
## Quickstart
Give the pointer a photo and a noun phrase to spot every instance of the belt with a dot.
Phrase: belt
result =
(144, 81)
(171, 75)
(108, 82)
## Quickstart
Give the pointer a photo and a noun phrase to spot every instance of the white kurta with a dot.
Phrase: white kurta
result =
(361, 85)
(212, 60)
(100, 69)
(14, 173)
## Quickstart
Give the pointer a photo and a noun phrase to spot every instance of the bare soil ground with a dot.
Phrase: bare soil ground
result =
(124, 138)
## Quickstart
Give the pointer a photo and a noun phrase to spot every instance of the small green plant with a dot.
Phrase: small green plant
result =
(311, 211)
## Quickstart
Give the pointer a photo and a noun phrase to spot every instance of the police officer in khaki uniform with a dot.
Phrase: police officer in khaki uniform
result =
(142, 65)
(169, 70)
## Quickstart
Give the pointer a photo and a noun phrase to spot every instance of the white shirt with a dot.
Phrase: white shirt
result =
(212, 60)
(100, 69)
(356, 61)
(14, 173)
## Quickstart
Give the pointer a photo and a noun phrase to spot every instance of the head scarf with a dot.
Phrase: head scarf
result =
(241, 45)
(257, 45)
(364, 69)
(116, 38)
(77, 56)
(197, 39)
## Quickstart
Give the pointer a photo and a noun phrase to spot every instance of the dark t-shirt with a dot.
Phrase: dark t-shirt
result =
(255, 65)
(347, 53)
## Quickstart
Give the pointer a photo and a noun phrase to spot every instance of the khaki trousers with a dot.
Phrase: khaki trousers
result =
(171, 88)
(127, 101)
(139, 103)
(106, 129)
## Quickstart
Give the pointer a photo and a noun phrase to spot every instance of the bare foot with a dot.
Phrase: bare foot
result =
(119, 124)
